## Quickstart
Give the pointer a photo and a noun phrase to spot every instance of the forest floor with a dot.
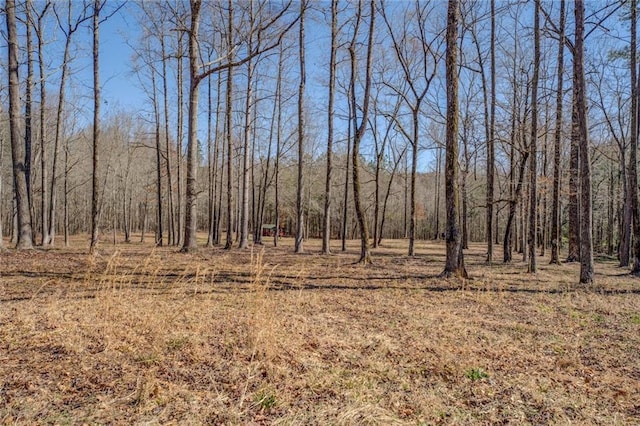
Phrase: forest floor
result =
(138, 334)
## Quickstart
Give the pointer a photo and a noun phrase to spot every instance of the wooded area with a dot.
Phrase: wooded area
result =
(468, 126)
(319, 212)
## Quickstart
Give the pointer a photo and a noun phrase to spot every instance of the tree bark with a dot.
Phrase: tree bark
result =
(299, 246)
(171, 224)
(96, 127)
(533, 144)
(28, 118)
(24, 236)
(633, 162)
(326, 225)
(156, 112)
(244, 213)
(490, 141)
(229, 131)
(43, 128)
(190, 223)
(360, 129)
(555, 215)
(582, 136)
(454, 264)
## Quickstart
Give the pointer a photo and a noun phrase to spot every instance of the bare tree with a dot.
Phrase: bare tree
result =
(299, 246)
(25, 236)
(360, 128)
(97, 5)
(533, 144)
(326, 227)
(197, 73)
(28, 104)
(555, 219)
(581, 136)
(633, 156)
(248, 125)
(68, 28)
(454, 265)
(418, 62)
(491, 139)
(43, 127)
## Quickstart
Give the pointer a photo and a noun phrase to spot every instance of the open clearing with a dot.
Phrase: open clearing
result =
(263, 336)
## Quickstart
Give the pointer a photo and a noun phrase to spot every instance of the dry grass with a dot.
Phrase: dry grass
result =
(152, 336)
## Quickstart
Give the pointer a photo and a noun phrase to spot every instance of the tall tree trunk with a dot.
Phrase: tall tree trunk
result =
(65, 195)
(326, 226)
(70, 29)
(179, 136)
(555, 215)
(574, 187)
(156, 113)
(611, 219)
(299, 248)
(581, 133)
(633, 162)
(191, 219)
(360, 129)
(244, 213)
(229, 132)
(43, 128)
(345, 209)
(276, 184)
(454, 264)
(171, 224)
(490, 141)
(96, 127)
(513, 202)
(414, 172)
(533, 144)
(28, 128)
(1, 190)
(210, 164)
(436, 204)
(218, 169)
(24, 235)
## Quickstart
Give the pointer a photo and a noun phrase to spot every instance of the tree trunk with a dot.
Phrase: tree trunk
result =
(171, 224)
(229, 132)
(508, 231)
(96, 127)
(299, 248)
(633, 162)
(345, 209)
(24, 235)
(574, 191)
(156, 113)
(414, 172)
(244, 213)
(454, 264)
(533, 144)
(582, 135)
(276, 234)
(490, 141)
(28, 128)
(190, 223)
(360, 129)
(181, 226)
(555, 215)
(326, 226)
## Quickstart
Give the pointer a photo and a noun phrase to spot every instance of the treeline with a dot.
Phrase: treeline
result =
(333, 120)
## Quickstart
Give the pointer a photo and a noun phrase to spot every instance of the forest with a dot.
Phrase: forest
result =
(302, 212)
(230, 137)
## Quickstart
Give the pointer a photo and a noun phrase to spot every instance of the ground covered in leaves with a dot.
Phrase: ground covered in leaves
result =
(148, 335)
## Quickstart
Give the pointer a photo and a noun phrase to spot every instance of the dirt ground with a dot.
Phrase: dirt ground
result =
(146, 335)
